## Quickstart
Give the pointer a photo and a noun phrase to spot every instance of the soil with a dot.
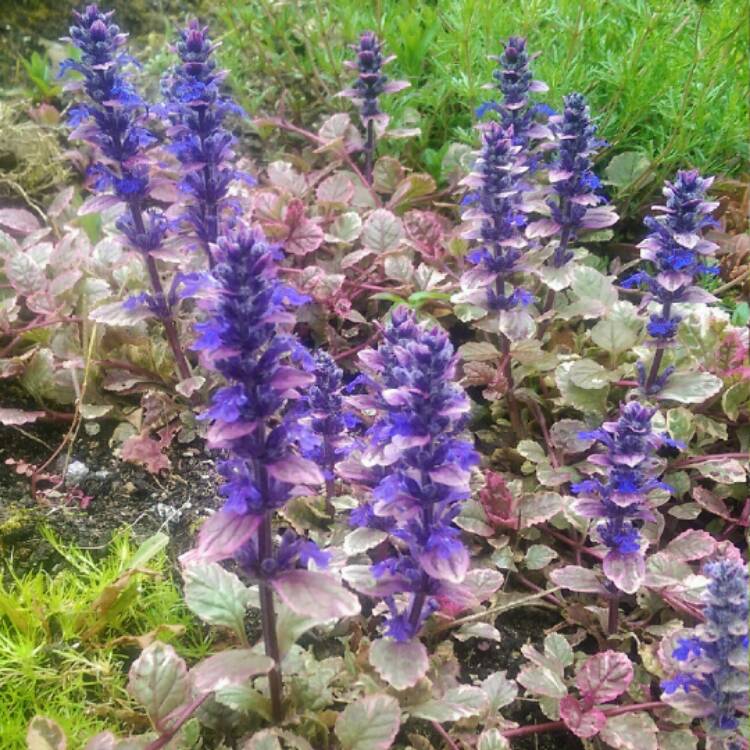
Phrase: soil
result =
(479, 659)
(120, 494)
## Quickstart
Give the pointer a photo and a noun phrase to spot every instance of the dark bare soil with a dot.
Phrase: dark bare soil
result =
(121, 494)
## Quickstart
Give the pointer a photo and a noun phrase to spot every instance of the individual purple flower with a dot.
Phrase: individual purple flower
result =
(678, 253)
(576, 202)
(619, 500)
(370, 85)
(496, 222)
(416, 437)
(712, 681)
(198, 107)
(514, 82)
(246, 338)
(113, 120)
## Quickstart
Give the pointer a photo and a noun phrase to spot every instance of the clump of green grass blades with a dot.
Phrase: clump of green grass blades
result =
(61, 645)
(665, 77)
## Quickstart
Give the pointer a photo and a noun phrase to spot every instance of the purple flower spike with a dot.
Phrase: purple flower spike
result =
(514, 81)
(372, 82)
(576, 202)
(416, 438)
(246, 339)
(620, 501)
(712, 682)
(496, 222)
(197, 107)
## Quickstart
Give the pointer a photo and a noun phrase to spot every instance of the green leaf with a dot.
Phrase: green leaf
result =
(619, 331)
(723, 471)
(457, 703)
(158, 681)
(45, 734)
(409, 189)
(402, 664)
(387, 174)
(590, 375)
(538, 556)
(624, 169)
(148, 549)
(592, 401)
(382, 231)
(500, 692)
(636, 731)
(741, 315)
(492, 739)
(557, 647)
(370, 723)
(736, 398)
(346, 228)
(690, 387)
(217, 596)
(680, 424)
(231, 667)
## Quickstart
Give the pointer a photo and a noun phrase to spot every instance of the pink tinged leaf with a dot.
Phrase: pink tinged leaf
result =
(221, 535)
(542, 228)
(626, 571)
(18, 220)
(231, 667)
(402, 664)
(393, 86)
(582, 723)
(158, 681)
(311, 593)
(296, 470)
(542, 681)
(450, 475)
(144, 450)
(95, 204)
(599, 218)
(12, 417)
(691, 545)
(578, 578)
(634, 731)
(604, 676)
(453, 598)
(290, 377)
(556, 175)
(446, 565)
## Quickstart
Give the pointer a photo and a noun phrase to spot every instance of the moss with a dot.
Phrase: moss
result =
(31, 154)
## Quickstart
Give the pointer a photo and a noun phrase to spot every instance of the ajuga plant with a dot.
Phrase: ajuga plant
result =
(575, 201)
(326, 421)
(496, 223)
(417, 437)
(514, 82)
(619, 502)
(678, 253)
(367, 89)
(113, 119)
(197, 108)
(712, 660)
(246, 338)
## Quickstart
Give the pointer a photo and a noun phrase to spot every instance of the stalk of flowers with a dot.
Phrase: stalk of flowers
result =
(619, 500)
(575, 201)
(678, 252)
(113, 121)
(496, 222)
(198, 107)
(325, 421)
(416, 436)
(514, 82)
(247, 339)
(712, 681)
(369, 86)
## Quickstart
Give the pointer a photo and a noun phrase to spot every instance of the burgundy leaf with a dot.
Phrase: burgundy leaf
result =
(581, 722)
(604, 676)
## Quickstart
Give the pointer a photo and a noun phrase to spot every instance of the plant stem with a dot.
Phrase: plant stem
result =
(613, 617)
(514, 411)
(268, 618)
(369, 150)
(170, 328)
(165, 738)
(561, 248)
(556, 726)
(656, 364)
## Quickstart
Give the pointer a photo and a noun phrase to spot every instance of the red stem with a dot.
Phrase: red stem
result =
(165, 738)
(556, 726)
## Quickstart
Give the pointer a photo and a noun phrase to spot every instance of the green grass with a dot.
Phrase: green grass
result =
(665, 77)
(58, 655)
